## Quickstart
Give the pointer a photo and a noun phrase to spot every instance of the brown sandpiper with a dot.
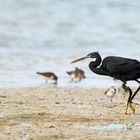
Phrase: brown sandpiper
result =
(49, 76)
(76, 75)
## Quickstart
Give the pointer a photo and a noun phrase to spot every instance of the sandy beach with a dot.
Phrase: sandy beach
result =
(47, 36)
(65, 113)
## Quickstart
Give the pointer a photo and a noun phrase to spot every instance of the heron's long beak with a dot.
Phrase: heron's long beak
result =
(80, 59)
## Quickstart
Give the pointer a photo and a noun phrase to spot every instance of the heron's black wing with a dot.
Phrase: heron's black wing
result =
(120, 66)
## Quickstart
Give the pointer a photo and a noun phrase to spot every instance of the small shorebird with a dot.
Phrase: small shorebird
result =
(111, 92)
(123, 90)
(49, 76)
(76, 75)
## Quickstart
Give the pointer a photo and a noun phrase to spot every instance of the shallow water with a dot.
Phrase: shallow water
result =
(46, 35)
(110, 126)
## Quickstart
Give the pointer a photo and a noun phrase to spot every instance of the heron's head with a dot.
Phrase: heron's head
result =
(92, 56)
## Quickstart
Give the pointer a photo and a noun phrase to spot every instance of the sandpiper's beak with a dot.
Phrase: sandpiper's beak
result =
(80, 59)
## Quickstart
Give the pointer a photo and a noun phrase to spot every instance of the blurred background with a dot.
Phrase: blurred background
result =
(45, 35)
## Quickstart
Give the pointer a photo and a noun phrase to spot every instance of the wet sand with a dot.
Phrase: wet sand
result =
(65, 113)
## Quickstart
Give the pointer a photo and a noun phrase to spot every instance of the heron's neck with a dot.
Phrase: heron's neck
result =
(93, 66)
(96, 63)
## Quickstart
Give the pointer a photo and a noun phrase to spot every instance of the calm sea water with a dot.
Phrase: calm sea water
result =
(45, 35)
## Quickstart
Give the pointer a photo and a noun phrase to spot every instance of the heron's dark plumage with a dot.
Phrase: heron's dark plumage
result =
(124, 69)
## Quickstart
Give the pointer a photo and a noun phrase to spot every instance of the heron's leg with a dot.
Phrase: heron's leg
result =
(132, 105)
(135, 91)
(129, 98)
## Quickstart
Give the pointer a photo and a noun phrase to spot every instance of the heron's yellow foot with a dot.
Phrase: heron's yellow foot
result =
(135, 103)
(126, 113)
(133, 106)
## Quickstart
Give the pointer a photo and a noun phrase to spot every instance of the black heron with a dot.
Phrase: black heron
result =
(123, 69)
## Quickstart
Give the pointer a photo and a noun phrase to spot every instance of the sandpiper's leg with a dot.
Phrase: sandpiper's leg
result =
(55, 82)
(71, 80)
